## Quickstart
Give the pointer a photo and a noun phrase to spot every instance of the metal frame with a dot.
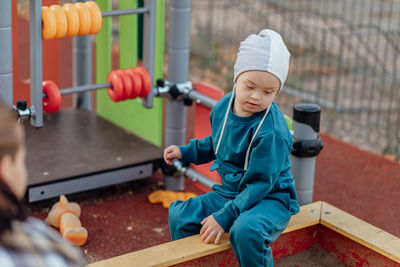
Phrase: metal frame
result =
(6, 78)
(149, 39)
(178, 67)
(83, 183)
(36, 64)
(125, 12)
(84, 88)
(82, 48)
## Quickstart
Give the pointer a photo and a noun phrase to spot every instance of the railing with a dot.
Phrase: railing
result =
(345, 57)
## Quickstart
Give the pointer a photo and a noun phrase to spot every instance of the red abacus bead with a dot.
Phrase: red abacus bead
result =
(52, 102)
(146, 81)
(126, 83)
(115, 91)
(136, 83)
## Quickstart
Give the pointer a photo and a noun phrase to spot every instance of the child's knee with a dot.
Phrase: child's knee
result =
(242, 231)
(174, 213)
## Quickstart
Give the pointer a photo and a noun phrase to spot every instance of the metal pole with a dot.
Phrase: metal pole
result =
(306, 147)
(82, 71)
(149, 39)
(200, 178)
(202, 99)
(124, 12)
(194, 175)
(35, 33)
(84, 88)
(6, 80)
(178, 65)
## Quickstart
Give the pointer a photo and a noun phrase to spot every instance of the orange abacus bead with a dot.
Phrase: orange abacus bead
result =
(127, 84)
(96, 17)
(61, 21)
(52, 102)
(146, 81)
(136, 83)
(72, 16)
(49, 24)
(84, 18)
(115, 92)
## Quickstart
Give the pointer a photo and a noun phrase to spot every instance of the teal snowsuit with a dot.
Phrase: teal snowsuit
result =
(253, 205)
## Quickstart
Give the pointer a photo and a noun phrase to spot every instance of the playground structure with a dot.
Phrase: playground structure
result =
(107, 160)
(65, 125)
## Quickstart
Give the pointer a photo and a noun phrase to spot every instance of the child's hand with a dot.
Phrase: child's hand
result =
(170, 153)
(211, 229)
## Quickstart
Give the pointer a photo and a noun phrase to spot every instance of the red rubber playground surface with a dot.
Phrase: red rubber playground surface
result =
(119, 219)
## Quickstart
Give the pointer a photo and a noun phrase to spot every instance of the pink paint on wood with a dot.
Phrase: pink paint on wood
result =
(350, 252)
(294, 242)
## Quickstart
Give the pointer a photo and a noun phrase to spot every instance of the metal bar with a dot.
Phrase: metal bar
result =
(6, 75)
(202, 99)
(125, 12)
(193, 174)
(149, 40)
(82, 183)
(82, 71)
(35, 33)
(198, 177)
(84, 88)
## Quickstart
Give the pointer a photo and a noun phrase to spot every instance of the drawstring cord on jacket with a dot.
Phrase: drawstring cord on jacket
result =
(246, 162)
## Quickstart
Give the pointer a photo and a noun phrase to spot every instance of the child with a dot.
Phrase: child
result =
(24, 241)
(251, 146)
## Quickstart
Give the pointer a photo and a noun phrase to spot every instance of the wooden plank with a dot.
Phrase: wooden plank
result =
(192, 247)
(350, 252)
(361, 232)
(167, 254)
(309, 215)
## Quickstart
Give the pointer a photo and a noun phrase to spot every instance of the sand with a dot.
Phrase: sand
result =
(315, 256)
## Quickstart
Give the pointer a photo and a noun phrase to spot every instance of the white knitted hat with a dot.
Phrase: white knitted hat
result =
(265, 51)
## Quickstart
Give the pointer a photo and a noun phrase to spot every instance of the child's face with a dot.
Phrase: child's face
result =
(13, 169)
(255, 91)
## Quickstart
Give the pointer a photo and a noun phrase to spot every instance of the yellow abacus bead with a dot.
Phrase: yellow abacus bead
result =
(72, 19)
(49, 24)
(96, 17)
(84, 18)
(61, 21)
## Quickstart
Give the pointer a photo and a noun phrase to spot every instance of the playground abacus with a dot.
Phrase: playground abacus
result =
(71, 20)
(121, 85)
(79, 20)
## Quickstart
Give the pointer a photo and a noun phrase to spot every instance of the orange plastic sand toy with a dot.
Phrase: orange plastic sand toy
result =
(167, 197)
(65, 216)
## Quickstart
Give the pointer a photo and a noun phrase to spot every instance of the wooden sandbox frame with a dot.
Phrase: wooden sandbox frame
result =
(353, 241)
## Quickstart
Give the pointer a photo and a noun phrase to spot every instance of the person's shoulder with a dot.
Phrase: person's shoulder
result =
(276, 124)
(33, 239)
(223, 102)
(36, 228)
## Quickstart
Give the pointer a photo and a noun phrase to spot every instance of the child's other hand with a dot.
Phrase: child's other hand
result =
(211, 229)
(171, 153)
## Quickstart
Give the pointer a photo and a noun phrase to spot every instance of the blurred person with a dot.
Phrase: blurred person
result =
(24, 241)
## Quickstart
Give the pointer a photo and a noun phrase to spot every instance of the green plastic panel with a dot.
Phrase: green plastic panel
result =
(289, 122)
(130, 114)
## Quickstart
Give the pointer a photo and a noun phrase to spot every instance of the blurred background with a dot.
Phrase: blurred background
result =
(345, 57)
